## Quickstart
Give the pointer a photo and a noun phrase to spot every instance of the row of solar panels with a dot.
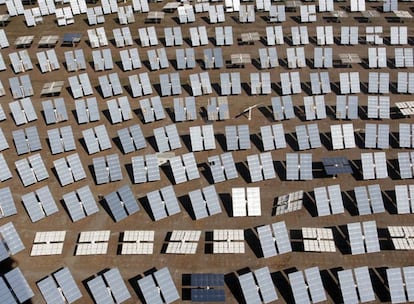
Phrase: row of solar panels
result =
(122, 203)
(105, 287)
(274, 239)
(257, 286)
(237, 138)
(186, 14)
(185, 58)
(230, 84)
(378, 107)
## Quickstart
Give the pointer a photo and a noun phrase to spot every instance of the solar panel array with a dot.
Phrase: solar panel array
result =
(369, 199)
(48, 243)
(92, 242)
(163, 203)
(404, 195)
(185, 109)
(274, 239)
(329, 200)
(237, 137)
(261, 167)
(257, 286)
(14, 287)
(246, 201)
(222, 167)
(31, 169)
(209, 50)
(289, 202)
(10, 241)
(145, 168)
(39, 203)
(343, 136)
(356, 285)
(308, 136)
(59, 287)
(202, 138)
(307, 286)
(159, 287)
(183, 242)
(336, 165)
(363, 237)
(400, 282)
(80, 203)
(298, 166)
(318, 239)
(138, 242)
(109, 287)
(402, 237)
(207, 287)
(122, 203)
(228, 241)
(205, 202)
(167, 138)
(69, 169)
(184, 168)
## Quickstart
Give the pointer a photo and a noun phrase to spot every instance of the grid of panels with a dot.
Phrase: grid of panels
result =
(274, 239)
(122, 203)
(10, 241)
(163, 203)
(301, 281)
(80, 203)
(59, 287)
(39, 203)
(48, 243)
(257, 286)
(205, 202)
(183, 242)
(329, 200)
(227, 241)
(159, 283)
(109, 287)
(92, 242)
(363, 237)
(246, 201)
(137, 242)
(318, 240)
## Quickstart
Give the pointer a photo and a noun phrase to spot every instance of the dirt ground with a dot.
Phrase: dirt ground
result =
(132, 266)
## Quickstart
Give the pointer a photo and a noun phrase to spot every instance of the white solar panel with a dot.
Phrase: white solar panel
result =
(313, 282)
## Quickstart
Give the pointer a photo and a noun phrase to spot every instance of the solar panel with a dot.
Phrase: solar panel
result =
(157, 284)
(257, 286)
(367, 236)
(313, 283)
(23, 111)
(211, 198)
(92, 242)
(5, 172)
(109, 287)
(122, 203)
(19, 285)
(403, 198)
(163, 203)
(246, 201)
(80, 203)
(69, 169)
(222, 167)
(32, 169)
(405, 160)
(63, 284)
(10, 241)
(39, 203)
(349, 286)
